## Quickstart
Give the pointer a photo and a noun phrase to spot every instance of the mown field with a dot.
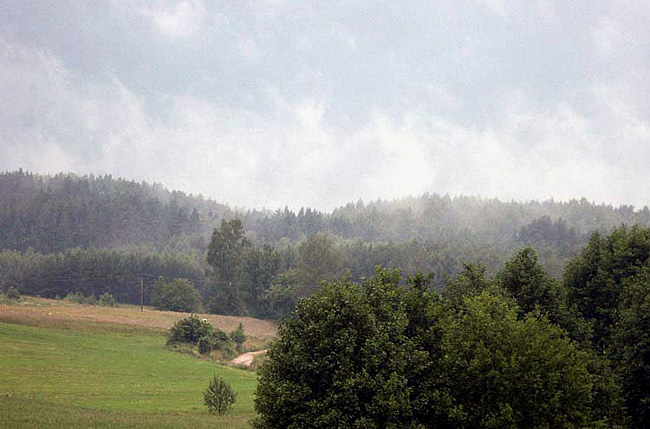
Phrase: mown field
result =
(86, 373)
(64, 314)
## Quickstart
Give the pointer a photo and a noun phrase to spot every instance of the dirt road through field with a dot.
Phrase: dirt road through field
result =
(247, 359)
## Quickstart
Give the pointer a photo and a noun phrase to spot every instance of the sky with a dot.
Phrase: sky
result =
(273, 103)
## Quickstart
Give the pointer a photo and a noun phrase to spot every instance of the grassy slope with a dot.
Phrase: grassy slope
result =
(102, 378)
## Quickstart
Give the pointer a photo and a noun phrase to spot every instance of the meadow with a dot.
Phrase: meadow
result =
(88, 373)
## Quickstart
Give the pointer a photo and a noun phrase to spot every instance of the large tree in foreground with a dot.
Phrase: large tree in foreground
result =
(385, 355)
(503, 372)
(631, 347)
(343, 360)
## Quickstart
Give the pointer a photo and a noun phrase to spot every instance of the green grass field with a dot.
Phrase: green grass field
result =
(95, 378)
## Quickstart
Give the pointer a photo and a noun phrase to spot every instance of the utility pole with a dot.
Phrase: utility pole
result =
(141, 292)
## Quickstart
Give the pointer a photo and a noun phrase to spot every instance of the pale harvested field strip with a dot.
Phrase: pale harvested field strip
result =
(51, 312)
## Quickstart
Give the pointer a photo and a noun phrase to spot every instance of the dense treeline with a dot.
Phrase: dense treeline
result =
(281, 256)
(514, 349)
(93, 272)
(53, 213)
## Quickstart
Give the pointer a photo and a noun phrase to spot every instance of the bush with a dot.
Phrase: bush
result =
(12, 293)
(219, 341)
(195, 332)
(219, 396)
(106, 300)
(205, 346)
(238, 336)
(79, 298)
(189, 330)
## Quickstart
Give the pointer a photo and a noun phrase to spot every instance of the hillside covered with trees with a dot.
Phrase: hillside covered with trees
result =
(97, 234)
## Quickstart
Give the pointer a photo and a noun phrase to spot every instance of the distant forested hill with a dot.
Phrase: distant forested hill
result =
(52, 215)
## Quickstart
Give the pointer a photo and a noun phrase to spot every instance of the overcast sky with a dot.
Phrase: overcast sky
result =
(299, 103)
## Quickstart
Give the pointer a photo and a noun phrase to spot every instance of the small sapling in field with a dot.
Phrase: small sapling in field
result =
(219, 396)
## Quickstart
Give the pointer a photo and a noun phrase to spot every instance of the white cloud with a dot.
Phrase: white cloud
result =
(607, 36)
(179, 19)
(465, 111)
(496, 6)
(296, 158)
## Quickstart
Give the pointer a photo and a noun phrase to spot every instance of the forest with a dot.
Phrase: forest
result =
(98, 234)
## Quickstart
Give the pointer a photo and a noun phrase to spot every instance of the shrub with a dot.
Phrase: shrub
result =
(12, 293)
(189, 330)
(238, 336)
(219, 396)
(79, 298)
(217, 340)
(106, 300)
(205, 346)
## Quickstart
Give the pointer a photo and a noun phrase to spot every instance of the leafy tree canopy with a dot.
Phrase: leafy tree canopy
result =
(381, 354)
(177, 295)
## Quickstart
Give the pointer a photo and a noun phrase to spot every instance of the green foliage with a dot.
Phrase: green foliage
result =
(106, 300)
(469, 282)
(595, 278)
(219, 396)
(631, 346)
(281, 296)
(499, 371)
(54, 213)
(13, 293)
(342, 360)
(92, 272)
(259, 270)
(79, 298)
(189, 330)
(318, 259)
(240, 273)
(608, 284)
(73, 226)
(177, 295)
(195, 332)
(534, 291)
(219, 341)
(384, 355)
(225, 256)
(545, 233)
(238, 336)
(525, 279)
(225, 250)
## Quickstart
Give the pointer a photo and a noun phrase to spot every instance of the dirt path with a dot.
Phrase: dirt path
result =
(246, 359)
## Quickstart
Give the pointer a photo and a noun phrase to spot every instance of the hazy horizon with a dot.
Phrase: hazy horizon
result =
(272, 103)
(298, 207)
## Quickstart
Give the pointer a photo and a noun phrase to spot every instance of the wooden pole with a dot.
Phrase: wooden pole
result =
(141, 292)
